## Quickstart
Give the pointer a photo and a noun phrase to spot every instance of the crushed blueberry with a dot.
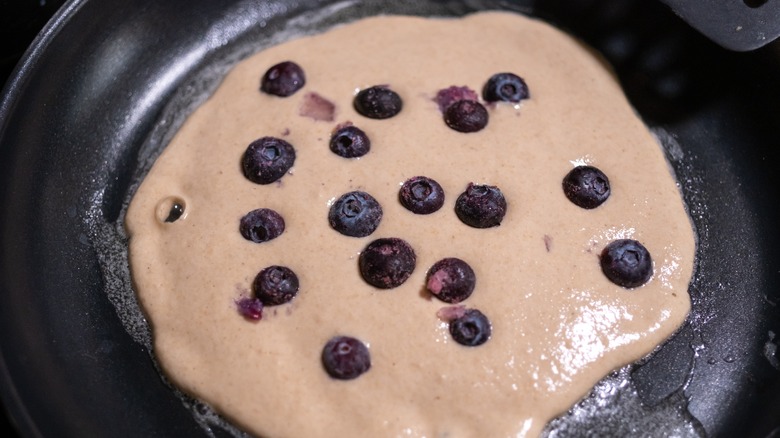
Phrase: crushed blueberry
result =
(481, 206)
(421, 195)
(387, 263)
(355, 214)
(275, 285)
(449, 313)
(250, 308)
(378, 102)
(317, 107)
(349, 142)
(267, 159)
(345, 358)
(505, 87)
(586, 186)
(466, 116)
(261, 225)
(471, 329)
(283, 79)
(451, 280)
(626, 263)
(447, 96)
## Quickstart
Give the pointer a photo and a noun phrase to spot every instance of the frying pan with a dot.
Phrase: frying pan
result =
(107, 82)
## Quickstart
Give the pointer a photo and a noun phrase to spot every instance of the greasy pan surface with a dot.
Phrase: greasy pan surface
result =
(90, 92)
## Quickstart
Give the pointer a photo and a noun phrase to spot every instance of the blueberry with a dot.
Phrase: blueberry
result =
(283, 79)
(505, 87)
(586, 186)
(261, 225)
(481, 206)
(267, 159)
(471, 329)
(451, 280)
(378, 102)
(275, 285)
(355, 214)
(350, 142)
(466, 116)
(626, 263)
(387, 263)
(421, 195)
(345, 358)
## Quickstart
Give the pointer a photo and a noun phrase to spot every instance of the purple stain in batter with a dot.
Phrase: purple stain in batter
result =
(317, 107)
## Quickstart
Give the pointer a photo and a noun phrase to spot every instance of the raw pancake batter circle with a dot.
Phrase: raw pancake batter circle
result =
(558, 325)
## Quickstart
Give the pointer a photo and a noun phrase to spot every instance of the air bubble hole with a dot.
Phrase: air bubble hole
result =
(754, 3)
(171, 209)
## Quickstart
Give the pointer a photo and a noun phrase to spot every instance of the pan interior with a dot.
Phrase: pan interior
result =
(128, 79)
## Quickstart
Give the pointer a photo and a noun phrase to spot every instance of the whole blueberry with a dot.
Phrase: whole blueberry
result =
(350, 142)
(505, 87)
(471, 329)
(586, 186)
(387, 263)
(355, 214)
(261, 225)
(626, 263)
(481, 206)
(421, 195)
(451, 280)
(345, 358)
(378, 102)
(267, 159)
(466, 116)
(283, 79)
(275, 285)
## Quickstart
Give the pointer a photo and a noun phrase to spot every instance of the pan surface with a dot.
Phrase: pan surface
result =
(107, 82)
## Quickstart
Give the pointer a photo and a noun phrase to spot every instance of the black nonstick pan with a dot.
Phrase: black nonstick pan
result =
(107, 82)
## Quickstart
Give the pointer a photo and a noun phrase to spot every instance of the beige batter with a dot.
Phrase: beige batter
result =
(558, 324)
